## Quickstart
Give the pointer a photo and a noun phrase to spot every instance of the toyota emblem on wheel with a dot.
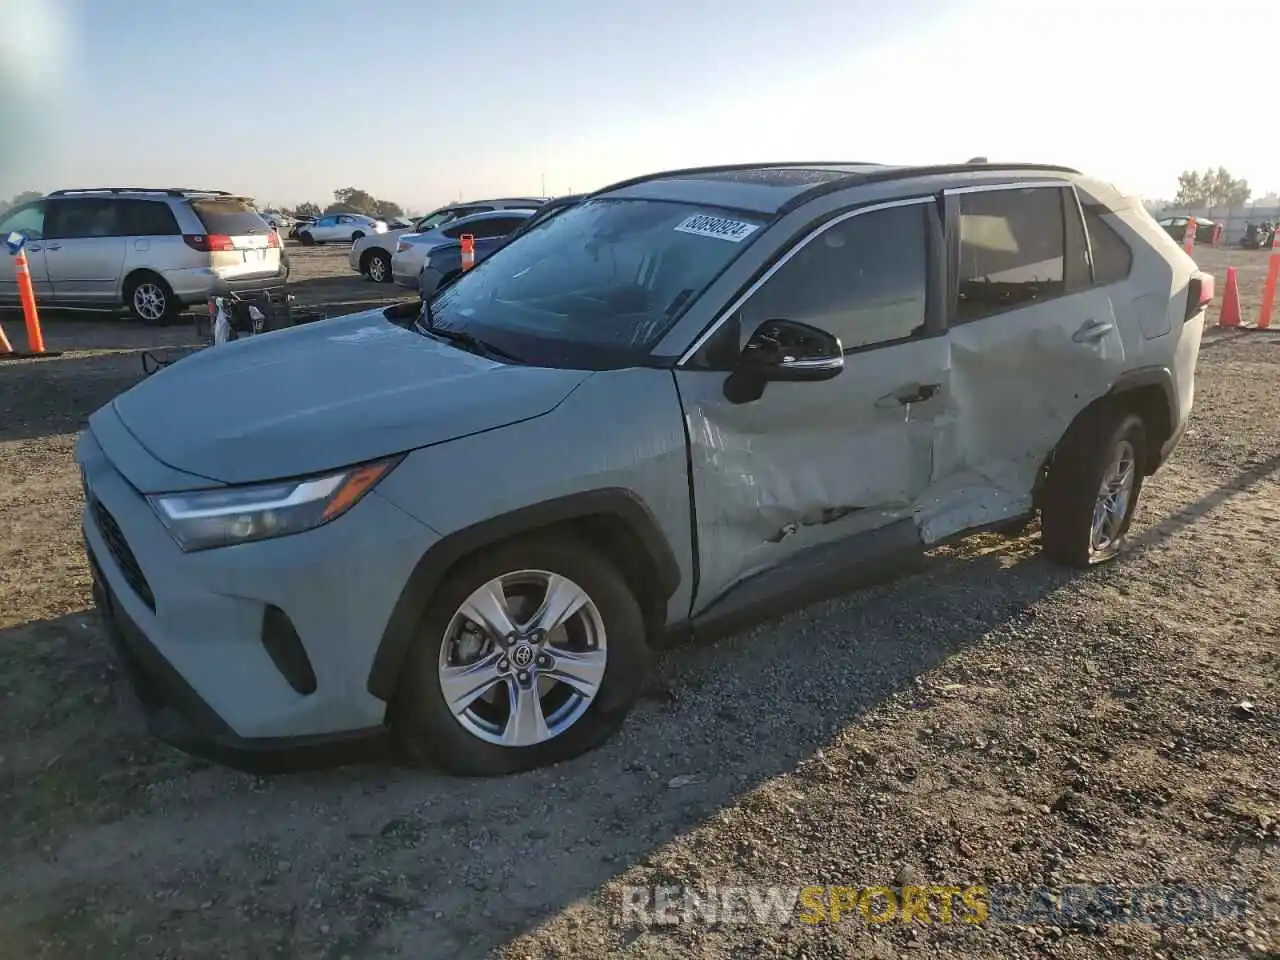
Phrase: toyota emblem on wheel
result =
(522, 655)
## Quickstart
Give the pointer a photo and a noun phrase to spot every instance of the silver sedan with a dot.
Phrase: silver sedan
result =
(412, 249)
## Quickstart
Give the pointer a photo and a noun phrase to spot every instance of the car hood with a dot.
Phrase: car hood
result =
(325, 395)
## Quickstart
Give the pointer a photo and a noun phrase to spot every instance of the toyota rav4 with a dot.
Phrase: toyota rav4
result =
(688, 400)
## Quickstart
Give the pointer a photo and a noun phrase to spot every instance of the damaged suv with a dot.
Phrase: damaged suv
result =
(690, 399)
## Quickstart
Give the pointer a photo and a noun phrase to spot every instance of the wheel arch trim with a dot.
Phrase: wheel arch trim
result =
(431, 569)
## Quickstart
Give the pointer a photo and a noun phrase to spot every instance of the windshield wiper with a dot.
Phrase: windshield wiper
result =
(463, 339)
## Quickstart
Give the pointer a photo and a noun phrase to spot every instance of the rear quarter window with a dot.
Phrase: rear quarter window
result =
(1112, 258)
(230, 218)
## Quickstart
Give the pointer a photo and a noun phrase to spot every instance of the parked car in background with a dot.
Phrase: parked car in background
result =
(153, 251)
(398, 223)
(412, 248)
(372, 255)
(1176, 227)
(340, 228)
(444, 263)
(685, 403)
(299, 223)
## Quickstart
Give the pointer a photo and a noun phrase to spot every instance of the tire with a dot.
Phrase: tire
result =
(307, 239)
(1100, 439)
(150, 300)
(357, 236)
(426, 728)
(378, 267)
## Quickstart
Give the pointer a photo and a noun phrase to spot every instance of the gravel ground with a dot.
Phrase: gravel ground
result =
(990, 719)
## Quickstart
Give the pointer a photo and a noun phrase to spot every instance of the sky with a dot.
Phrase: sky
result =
(427, 101)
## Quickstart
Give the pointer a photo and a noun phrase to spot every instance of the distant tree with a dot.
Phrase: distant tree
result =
(307, 209)
(351, 200)
(385, 209)
(1212, 188)
(26, 196)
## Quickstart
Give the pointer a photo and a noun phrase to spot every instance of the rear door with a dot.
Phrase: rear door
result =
(27, 220)
(241, 244)
(1033, 342)
(153, 239)
(84, 250)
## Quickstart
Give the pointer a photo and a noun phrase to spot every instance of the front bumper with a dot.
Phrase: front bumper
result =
(178, 715)
(193, 627)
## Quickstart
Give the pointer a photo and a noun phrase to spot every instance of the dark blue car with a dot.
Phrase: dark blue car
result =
(445, 262)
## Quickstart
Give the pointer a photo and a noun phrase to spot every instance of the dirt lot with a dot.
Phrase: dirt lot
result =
(991, 719)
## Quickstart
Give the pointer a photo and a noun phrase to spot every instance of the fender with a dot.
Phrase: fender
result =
(1162, 378)
(614, 502)
(1147, 377)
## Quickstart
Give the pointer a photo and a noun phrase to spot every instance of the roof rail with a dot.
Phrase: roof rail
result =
(729, 168)
(167, 191)
(902, 173)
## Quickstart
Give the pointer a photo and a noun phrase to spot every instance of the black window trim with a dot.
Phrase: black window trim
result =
(934, 239)
(952, 201)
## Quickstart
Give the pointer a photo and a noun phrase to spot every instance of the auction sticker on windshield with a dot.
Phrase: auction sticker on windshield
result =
(703, 225)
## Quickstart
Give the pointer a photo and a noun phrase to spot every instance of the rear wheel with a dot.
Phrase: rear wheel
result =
(150, 300)
(1093, 487)
(530, 653)
(379, 267)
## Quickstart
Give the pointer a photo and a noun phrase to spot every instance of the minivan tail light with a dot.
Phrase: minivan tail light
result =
(402, 246)
(1199, 294)
(273, 240)
(209, 243)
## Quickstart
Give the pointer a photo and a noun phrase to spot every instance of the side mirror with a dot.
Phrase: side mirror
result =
(787, 351)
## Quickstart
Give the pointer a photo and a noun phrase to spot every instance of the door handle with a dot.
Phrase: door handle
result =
(1093, 330)
(915, 393)
(53, 246)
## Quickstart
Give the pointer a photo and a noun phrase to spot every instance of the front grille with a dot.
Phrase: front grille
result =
(121, 553)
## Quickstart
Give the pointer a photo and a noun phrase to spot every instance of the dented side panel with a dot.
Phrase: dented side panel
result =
(807, 463)
(1018, 379)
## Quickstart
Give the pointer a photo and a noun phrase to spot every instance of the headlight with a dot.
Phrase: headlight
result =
(202, 519)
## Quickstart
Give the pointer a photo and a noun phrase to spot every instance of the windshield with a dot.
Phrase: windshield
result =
(597, 285)
(434, 220)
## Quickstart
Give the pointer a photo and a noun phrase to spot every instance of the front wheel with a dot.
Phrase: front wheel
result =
(1093, 487)
(357, 236)
(531, 653)
(307, 239)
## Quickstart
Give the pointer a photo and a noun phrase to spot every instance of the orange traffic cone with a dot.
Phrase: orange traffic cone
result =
(1230, 316)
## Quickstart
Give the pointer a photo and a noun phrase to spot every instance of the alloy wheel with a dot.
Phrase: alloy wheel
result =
(1114, 495)
(150, 301)
(523, 658)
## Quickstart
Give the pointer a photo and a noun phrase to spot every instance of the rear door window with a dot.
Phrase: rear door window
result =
(1012, 250)
(229, 217)
(486, 227)
(146, 218)
(83, 219)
